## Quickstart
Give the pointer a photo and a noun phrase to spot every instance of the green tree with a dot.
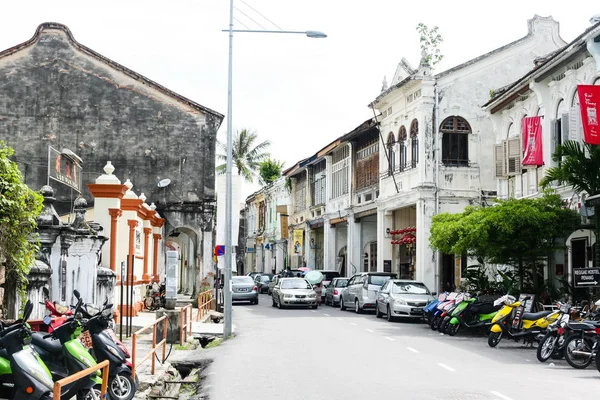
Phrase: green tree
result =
(516, 232)
(270, 170)
(430, 41)
(246, 154)
(578, 165)
(19, 208)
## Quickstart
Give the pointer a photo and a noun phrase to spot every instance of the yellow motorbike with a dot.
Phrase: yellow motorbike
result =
(513, 323)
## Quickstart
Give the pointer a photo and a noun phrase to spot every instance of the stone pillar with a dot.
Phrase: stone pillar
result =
(385, 249)
(132, 223)
(155, 276)
(329, 250)
(67, 238)
(145, 275)
(115, 213)
(424, 258)
(355, 258)
(281, 250)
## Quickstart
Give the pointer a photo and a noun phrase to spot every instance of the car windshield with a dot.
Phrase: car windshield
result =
(295, 284)
(242, 280)
(378, 280)
(409, 288)
(341, 283)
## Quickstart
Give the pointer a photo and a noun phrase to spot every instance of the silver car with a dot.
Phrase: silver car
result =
(400, 298)
(289, 292)
(334, 289)
(362, 289)
(244, 289)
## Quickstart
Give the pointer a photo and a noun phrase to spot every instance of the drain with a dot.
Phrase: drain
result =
(190, 380)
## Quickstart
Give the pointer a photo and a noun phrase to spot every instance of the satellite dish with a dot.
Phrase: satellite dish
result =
(164, 183)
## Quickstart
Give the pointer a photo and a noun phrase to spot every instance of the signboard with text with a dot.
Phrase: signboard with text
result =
(589, 103)
(586, 277)
(64, 168)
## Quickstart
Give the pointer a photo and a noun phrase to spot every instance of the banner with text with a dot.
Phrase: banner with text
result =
(64, 169)
(589, 97)
(298, 236)
(532, 141)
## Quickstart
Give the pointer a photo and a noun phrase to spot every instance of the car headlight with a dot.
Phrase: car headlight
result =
(287, 296)
(400, 302)
(312, 295)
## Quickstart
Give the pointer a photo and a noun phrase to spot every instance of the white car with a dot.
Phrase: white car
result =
(293, 292)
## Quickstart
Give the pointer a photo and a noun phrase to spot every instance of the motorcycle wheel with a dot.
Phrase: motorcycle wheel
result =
(453, 329)
(494, 338)
(577, 343)
(546, 347)
(598, 363)
(91, 394)
(121, 387)
(443, 325)
(435, 323)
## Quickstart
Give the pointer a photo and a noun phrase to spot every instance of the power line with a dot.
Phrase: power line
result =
(250, 18)
(250, 7)
(241, 23)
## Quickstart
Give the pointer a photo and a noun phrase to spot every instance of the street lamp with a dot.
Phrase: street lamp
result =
(228, 217)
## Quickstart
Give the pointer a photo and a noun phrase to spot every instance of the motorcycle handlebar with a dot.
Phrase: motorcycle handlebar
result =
(47, 336)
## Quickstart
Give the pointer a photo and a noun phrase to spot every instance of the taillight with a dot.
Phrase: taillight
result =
(335, 292)
(255, 288)
(561, 331)
(597, 331)
(460, 315)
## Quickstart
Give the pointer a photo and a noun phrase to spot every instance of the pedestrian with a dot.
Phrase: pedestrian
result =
(318, 288)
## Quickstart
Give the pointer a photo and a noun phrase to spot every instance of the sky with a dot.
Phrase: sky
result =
(299, 93)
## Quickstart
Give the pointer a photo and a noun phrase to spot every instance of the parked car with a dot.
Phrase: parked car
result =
(252, 274)
(291, 273)
(329, 275)
(244, 289)
(334, 289)
(262, 282)
(290, 292)
(362, 289)
(402, 298)
(272, 284)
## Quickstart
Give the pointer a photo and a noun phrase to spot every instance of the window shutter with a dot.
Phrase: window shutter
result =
(574, 123)
(553, 136)
(514, 156)
(499, 160)
(564, 128)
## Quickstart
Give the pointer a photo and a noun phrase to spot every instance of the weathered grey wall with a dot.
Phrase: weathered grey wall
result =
(54, 91)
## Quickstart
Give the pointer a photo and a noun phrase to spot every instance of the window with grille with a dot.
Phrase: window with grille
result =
(402, 147)
(414, 143)
(318, 184)
(455, 141)
(300, 193)
(391, 153)
(339, 172)
(367, 164)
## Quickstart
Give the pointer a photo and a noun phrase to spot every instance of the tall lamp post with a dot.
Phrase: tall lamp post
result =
(228, 217)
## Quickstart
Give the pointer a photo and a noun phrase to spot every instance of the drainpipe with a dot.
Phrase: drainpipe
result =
(437, 149)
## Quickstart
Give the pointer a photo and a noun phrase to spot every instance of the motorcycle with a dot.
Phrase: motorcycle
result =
(474, 314)
(582, 346)
(155, 296)
(516, 325)
(440, 309)
(459, 305)
(553, 343)
(23, 375)
(63, 353)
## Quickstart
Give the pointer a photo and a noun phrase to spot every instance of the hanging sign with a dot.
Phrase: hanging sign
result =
(298, 236)
(65, 167)
(589, 99)
(532, 141)
(586, 277)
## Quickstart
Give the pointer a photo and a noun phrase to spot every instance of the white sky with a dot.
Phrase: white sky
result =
(299, 93)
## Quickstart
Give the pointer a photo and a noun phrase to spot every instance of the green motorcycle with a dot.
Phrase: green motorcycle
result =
(472, 314)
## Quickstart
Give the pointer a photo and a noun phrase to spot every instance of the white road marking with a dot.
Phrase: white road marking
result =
(327, 315)
(413, 350)
(447, 367)
(339, 319)
(369, 330)
(389, 338)
(352, 323)
(500, 395)
(312, 311)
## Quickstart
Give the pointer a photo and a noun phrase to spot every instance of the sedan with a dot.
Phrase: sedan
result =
(244, 289)
(402, 298)
(290, 292)
(334, 289)
(262, 282)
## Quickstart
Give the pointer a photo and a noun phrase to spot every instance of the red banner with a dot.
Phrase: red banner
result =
(532, 141)
(589, 97)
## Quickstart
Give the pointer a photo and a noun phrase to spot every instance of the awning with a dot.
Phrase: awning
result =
(363, 214)
(317, 223)
(335, 221)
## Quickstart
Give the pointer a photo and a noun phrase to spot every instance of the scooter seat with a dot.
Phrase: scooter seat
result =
(50, 345)
(534, 316)
(581, 326)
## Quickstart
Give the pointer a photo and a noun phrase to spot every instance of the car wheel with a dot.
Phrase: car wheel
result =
(279, 305)
(389, 315)
(269, 293)
(378, 313)
(273, 301)
(314, 307)
(357, 308)
(342, 306)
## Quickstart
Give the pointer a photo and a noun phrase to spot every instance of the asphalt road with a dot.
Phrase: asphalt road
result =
(296, 354)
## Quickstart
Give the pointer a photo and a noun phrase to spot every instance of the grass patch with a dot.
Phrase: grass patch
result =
(182, 347)
(214, 343)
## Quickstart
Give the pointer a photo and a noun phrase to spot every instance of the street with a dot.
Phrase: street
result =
(328, 353)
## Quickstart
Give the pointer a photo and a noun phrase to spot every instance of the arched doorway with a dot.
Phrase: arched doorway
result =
(341, 261)
(189, 272)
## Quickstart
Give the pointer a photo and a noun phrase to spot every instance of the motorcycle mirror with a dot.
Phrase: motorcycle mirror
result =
(47, 320)
(46, 291)
(27, 310)
(76, 293)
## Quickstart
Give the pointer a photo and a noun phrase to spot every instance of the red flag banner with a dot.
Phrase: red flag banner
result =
(589, 99)
(532, 141)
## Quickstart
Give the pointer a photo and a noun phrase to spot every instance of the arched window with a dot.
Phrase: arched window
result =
(414, 143)
(402, 142)
(391, 141)
(455, 141)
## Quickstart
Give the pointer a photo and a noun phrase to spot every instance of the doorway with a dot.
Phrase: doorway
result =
(447, 278)
(578, 248)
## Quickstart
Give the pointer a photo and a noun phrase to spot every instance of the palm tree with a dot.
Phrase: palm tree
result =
(578, 166)
(246, 155)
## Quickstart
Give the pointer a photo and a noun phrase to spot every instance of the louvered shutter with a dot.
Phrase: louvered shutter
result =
(514, 156)
(499, 160)
(574, 123)
(553, 137)
(564, 128)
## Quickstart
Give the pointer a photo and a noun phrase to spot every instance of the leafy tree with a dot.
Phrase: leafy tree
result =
(516, 232)
(270, 170)
(430, 40)
(247, 155)
(19, 208)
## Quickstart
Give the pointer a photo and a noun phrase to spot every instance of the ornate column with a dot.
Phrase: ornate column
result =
(115, 213)
(132, 225)
(145, 275)
(155, 277)
(67, 237)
